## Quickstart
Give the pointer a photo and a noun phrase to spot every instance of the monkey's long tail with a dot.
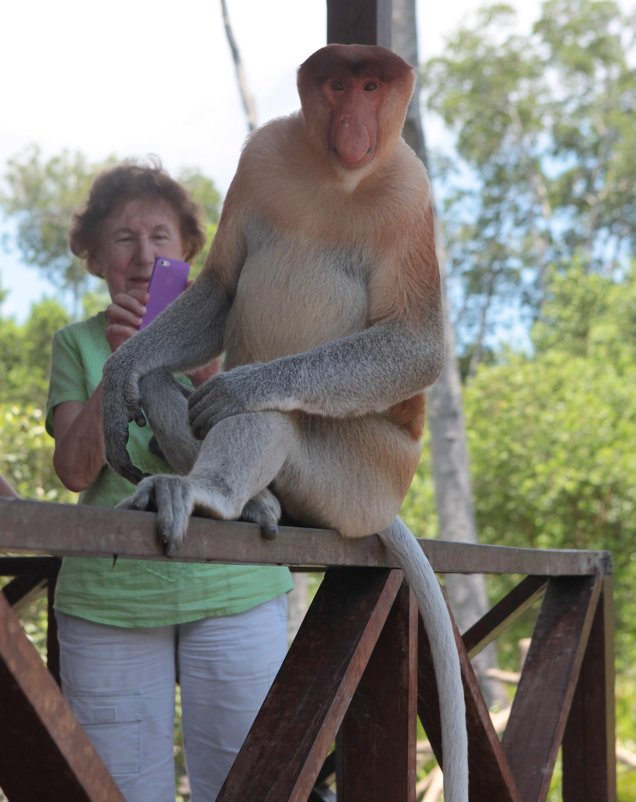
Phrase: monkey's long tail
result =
(422, 580)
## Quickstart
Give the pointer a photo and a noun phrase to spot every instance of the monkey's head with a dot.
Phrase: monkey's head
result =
(354, 99)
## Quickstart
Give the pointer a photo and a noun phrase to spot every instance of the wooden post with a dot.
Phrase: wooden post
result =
(550, 673)
(363, 22)
(589, 749)
(375, 751)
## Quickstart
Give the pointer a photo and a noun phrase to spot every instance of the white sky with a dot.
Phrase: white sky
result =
(132, 77)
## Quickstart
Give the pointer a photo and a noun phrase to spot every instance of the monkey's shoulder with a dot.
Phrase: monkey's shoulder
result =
(284, 180)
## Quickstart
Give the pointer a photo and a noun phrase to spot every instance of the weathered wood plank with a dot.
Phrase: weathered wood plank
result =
(490, 778)
(589, 742)
(44, 753)
(507, 610)
(75, 529)
(301, 715)
(376, 745)
(550, 672)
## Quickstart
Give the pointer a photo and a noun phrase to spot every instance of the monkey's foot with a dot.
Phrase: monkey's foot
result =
(265, 510)
(174, 498)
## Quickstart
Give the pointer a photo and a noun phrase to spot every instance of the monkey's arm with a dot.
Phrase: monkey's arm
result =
(166, 343)
(364, 373)
(165, 403)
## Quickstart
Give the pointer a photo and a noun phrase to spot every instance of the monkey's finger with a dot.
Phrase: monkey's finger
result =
(269, 530)
(173, 499)
(141, 500)
(263, 510)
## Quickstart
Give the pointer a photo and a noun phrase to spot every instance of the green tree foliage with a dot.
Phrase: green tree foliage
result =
(40, 196)
(25, 353)
(543, 171)
(26, 454)
(553, 447)
(25, 448)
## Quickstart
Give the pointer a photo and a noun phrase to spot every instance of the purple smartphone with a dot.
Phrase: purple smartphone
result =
(168, 281)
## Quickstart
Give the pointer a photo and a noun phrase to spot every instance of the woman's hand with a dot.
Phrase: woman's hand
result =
(124, 315)
(201, 375)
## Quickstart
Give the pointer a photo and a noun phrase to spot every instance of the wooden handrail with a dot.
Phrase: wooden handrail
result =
(37, 527)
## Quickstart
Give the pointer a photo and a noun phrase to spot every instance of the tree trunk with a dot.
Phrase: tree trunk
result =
(451, 467)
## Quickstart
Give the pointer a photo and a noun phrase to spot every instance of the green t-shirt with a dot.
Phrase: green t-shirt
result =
(133, 593)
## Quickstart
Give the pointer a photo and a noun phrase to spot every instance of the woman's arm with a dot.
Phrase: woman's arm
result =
(79, 443)
(77, 425)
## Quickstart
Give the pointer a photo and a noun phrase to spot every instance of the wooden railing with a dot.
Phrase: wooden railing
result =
(358, 672)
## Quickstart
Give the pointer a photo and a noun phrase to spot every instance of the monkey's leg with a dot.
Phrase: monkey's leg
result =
(350, 475)
(165, 403)
(238, 459)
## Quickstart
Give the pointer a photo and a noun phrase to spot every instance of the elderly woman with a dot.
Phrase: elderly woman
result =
(130, 630)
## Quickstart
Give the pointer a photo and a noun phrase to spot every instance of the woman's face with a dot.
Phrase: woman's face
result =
(132, 236)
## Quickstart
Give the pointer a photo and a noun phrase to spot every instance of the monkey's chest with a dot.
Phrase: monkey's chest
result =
(292, 297)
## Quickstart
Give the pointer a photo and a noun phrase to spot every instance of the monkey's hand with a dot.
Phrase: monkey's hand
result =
(175, 498)
(223, 396)
(121, 404)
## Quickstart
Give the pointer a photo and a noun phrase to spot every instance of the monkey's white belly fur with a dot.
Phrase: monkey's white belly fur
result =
(292, 297)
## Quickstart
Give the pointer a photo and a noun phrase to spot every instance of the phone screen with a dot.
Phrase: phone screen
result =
(169, 279)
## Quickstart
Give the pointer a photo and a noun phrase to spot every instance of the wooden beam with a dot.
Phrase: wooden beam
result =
(514, 604)
(364, 22)
(589, 743)
(92, 531)
(44, 753)
(376, 745)
(550, 672)
(302, 713)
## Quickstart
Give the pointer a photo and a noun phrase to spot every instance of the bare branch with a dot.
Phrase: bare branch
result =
(246, 96)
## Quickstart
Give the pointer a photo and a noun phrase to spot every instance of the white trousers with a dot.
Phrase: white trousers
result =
(121, 685)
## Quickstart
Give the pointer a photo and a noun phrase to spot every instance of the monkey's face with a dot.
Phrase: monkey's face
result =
(354, 98)
(131, 238)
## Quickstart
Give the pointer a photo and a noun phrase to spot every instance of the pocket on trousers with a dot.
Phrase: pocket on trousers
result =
(112, 721)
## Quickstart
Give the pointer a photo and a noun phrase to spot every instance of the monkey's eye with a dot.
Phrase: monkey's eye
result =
(371, 86)
(337, 85)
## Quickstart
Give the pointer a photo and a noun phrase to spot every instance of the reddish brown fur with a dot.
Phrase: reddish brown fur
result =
(409, 415)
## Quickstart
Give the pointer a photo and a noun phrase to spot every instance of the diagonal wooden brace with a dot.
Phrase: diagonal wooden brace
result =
(52, 759)
(301, 715)
(542, 703)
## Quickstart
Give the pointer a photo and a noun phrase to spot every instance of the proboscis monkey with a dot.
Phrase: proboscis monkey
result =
(322, 288)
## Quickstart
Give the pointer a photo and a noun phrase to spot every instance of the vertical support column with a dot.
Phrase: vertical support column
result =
(589, 742)
(364, 22)
(52, 645)
(375, 752)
